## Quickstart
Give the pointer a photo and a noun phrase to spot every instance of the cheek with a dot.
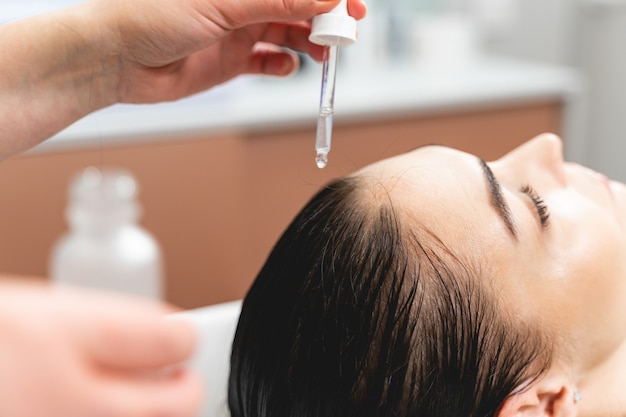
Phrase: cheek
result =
(588, 269)
(588, 239)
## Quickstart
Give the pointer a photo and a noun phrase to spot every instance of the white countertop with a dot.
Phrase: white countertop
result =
(253, 103)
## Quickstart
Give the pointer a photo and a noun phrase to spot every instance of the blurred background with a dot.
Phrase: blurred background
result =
(222, 173)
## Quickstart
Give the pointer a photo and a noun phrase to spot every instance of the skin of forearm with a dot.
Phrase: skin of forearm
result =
(54, 69)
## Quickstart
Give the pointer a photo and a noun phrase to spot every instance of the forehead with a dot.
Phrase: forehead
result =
(423, 163)
(443, 190)
(430, 174)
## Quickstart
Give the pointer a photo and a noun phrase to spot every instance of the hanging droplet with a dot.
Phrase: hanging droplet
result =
(321, 160)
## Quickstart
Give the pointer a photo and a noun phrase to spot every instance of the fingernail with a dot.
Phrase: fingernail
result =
(287, 66)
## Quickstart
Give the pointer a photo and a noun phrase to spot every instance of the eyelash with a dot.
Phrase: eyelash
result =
(542, 209)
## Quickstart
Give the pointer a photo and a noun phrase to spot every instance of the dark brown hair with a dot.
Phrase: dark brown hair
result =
(359, 312)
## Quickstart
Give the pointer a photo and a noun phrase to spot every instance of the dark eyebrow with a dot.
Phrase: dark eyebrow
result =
(497, 200)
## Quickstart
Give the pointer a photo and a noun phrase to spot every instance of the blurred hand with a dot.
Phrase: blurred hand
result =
(70, 353)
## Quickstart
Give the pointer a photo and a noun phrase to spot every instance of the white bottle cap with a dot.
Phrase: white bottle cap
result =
(336, 27)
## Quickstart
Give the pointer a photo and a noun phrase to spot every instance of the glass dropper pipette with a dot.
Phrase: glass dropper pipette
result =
(332, 30)
(327, 98)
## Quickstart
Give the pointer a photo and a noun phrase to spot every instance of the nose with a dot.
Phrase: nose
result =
(544, 152)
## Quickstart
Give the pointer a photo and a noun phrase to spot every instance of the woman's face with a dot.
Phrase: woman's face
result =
(552, 234)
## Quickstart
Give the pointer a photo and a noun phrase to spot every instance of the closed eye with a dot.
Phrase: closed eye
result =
(540, 205)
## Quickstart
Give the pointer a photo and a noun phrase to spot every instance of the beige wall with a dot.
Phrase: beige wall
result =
(218, 203)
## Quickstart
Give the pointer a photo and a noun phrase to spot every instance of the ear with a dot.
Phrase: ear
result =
(550, 396)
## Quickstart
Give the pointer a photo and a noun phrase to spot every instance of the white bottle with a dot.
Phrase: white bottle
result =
(105, 247)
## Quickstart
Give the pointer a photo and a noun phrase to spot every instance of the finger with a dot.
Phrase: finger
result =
(137, 341)
(357, 9)
(121, 331)
(245, 12)
(294, 36)
(269, 59)
(179, 395)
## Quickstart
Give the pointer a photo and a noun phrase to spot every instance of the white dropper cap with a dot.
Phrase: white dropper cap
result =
(336, 27)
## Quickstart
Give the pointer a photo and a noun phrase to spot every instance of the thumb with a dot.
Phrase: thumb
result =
(239, 13)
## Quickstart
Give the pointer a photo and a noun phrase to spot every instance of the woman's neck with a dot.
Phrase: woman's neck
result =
(603, 388)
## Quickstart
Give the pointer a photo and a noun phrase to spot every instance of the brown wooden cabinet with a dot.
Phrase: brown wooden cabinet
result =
(218, 202)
